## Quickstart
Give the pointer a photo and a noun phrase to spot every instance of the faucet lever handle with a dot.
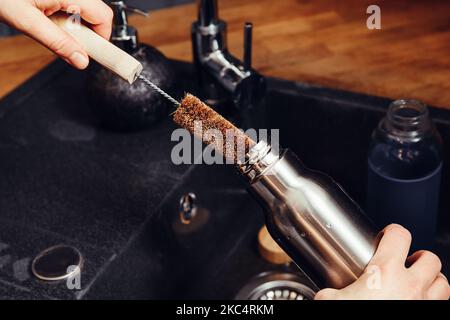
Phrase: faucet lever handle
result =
(248, 31)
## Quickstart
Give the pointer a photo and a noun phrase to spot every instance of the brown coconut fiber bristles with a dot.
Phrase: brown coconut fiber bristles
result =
(192, 110)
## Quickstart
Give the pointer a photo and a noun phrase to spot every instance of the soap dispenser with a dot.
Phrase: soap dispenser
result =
(119, 105)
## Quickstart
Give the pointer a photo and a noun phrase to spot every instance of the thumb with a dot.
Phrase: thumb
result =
(42, 29)
(326, 294)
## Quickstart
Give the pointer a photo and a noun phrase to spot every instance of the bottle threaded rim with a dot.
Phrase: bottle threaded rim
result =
(407, 118)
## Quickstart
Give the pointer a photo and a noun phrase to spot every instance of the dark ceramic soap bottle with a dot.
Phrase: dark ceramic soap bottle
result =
(119, 105)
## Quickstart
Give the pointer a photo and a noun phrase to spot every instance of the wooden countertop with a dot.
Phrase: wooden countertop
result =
(323, 42)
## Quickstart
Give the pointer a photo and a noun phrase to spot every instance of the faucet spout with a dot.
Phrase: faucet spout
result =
(211, 57)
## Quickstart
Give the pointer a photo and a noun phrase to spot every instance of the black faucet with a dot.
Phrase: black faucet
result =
(211, 57)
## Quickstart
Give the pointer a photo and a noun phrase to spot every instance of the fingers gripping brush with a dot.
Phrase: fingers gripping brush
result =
(190, 109)
(105, 53)
(309, 215)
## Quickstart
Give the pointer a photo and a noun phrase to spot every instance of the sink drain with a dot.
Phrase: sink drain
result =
(276, 286)
(282, 293)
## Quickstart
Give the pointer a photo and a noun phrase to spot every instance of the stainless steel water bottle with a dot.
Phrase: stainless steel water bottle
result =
(310, 216)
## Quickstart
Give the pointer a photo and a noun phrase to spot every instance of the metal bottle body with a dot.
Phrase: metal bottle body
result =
(309, 215)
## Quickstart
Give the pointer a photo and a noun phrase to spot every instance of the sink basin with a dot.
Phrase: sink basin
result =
(329, 130)
(116, 197)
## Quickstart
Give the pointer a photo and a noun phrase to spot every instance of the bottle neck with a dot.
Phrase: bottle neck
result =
(407, 119)
(259, 159)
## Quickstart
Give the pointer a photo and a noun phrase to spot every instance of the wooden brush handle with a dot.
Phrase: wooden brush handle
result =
(100, 49)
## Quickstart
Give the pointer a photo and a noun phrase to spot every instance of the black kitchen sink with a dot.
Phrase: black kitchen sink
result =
(116, 196)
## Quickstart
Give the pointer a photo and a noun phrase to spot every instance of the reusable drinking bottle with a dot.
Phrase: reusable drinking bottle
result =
(310, 216)
(404, 171)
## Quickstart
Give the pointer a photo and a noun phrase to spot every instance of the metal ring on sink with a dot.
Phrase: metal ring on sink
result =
(57, 263)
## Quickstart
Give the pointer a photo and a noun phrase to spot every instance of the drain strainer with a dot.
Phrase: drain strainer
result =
(282, 294)
(276, 286)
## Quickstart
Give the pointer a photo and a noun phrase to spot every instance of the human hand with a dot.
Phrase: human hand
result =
(31, 17)
(387, 276)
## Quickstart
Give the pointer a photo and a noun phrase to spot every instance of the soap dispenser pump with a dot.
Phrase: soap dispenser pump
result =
(118, 105)
(123, 35)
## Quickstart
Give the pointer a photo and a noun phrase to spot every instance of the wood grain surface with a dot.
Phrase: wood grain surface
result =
(324, 42)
